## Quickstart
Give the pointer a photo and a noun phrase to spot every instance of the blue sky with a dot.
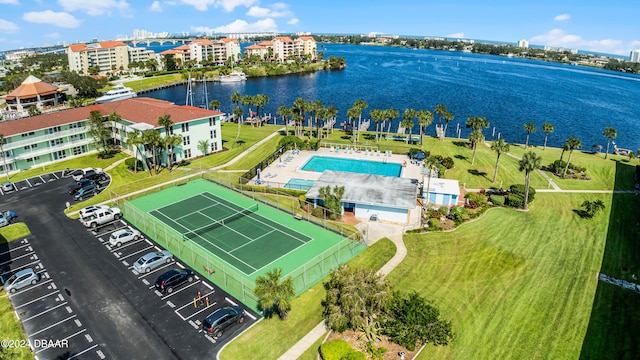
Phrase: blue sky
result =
(603, 26)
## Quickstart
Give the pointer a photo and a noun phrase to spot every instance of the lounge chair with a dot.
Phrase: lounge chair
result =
(378, 153)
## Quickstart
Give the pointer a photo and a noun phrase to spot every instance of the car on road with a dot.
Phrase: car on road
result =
(81, 173)
(151, 261)
(173, 279)
(218, 321)
(122, 236)
(6, 217)
(21, 279)
(89, 210)
(101, 217)
(7, 186)
(79, 185)
(85, 192)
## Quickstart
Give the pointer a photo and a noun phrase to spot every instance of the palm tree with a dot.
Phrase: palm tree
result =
(572, 143)
(448, 116)
(260, 101)
(407, 121)
(547, 128)
(153, 139)
(247, 100)
(440, 111)
(166, 122)
(499, 147)
(377, 115)
(609, 133)
(529, 162)
(285, 112)
(475, 137)
(235, 99)
(389, 115)
(300, 106)
(237, 112)
(134, 139)
(477, 123)
(215, 104)
(430, 163)
(332, 112)
(203, 146)
(358, 106)
(315, 107)
(171, 142)
(529, 128)
(275, 294)
(425, 118)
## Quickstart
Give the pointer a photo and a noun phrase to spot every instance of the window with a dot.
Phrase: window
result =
(171, 130)
(56, 142)
(186, 141)
(212, 121)
(78, 150)
(75, 125)
(213, 134)
(54, 129)
(77, 137)
(33, 146)
(61, 154)
(27, 134)
(185, 127)
(33, 159)
(187, 153)
(214, 146)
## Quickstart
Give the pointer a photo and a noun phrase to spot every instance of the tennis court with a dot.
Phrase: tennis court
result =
(240, 236)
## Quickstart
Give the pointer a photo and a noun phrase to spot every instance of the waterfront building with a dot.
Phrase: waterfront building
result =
(217, 51)
(635, 56)
(33, 92)
(107, 55)
(523, 43)
(282, 47)
(47, 138)
(18, 55)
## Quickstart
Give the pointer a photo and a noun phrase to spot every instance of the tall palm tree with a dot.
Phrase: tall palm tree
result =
(4, 156)
(315, 107)
(572, 144)
(360, 105)
(448, 116)
(260, 101)
(247, 100)
(431, 163)
(285, 112)
(529, 128)
(235, 99)
(425, 118)
(547, 128)
(477, 123)
(153, 139)
(499, 147)
(609, 133)
(530, 161)
(440, 111)
(475, 137)
(407, 121)
(166, 122)
(377, 115)
(237, 112)
(134, 139)
(215, 104)
(301, 106)
(274, 293)
(389, 115)
(171, 142)
(332, 112)
(203, 146)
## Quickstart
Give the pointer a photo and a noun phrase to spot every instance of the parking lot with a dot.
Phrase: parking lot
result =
(53, 328)
(34, 182)
(91, 298)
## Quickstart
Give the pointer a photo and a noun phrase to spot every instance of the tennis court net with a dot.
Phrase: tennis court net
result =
(192, 234)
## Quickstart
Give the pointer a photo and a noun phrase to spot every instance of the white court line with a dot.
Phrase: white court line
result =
(252, 240)
(129, 243)
(14, 249)
(135, 253)
(82, 352)
(37, 299)
(177, 291)
(44, 312)
(67, 338)
(191, 302)
(50, 326)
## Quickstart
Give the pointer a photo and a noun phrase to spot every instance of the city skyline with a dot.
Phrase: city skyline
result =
(588, 25)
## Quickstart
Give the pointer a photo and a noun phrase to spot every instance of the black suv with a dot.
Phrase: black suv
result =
(222, 318)
(92, 175)
(173, 279)
(82, 183)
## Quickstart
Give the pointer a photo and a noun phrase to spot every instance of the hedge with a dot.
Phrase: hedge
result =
(339, 350)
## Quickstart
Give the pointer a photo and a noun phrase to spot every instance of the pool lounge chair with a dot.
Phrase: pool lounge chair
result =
(378, 153)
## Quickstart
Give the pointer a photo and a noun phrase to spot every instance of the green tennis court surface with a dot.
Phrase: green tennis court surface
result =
(241, 237)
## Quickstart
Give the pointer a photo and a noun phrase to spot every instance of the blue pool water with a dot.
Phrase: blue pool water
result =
(322, 163)
(299, 184)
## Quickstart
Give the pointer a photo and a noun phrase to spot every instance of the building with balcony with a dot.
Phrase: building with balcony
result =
(634, 56)
(33, 92)
(47, 138)
(106, 55)
(283, 47)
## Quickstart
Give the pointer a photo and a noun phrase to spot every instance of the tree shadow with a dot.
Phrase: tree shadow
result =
(583, 214)
(464, 144)
(461, 157)
(475, 172)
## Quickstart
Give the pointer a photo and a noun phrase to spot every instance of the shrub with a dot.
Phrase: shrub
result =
(443, 210)
(335, 350)
(318, 212)
(519, 190)
(515, 200)
(558, 166)
(434, 224)
(448, 163)
(290, 142)
(131, 162)
(497, 200)
(475, 200)
(457, 213)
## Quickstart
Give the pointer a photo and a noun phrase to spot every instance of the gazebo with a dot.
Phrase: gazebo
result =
(32, 92)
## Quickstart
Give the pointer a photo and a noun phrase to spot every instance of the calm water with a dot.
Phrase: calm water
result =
(322, 163)
(578, 101)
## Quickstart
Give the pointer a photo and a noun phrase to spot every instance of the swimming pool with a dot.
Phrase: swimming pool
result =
(299, 184)
(322, 163)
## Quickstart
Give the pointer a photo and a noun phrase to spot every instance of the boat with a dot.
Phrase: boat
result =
(235, 76)
(120, 92)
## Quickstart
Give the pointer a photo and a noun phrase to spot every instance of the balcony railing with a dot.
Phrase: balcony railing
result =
(43, 138)
(52, 149)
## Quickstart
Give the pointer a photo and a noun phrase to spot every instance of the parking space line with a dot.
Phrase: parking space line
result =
(135, 253)
(18, 248)
(230, 301)
(50, 326)
(82, 352)
(180, 265)
(44, 312)
(33, 287)
(28, 183)
(155, 270)
(20, 267)
(19, 257)
(116, 248)
(38, 299)
(198, 312)
(207, 285)
(175, 292)
(56, 176)
(41, 179)
(148, 242)
(67, 338)
(191, 302)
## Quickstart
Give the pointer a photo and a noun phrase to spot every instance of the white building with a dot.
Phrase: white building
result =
(441, 192)
(635, 56)
(106, 55)
(523, 43)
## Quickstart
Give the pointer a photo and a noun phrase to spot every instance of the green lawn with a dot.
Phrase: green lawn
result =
(153, 82)
(271, 338)
(514, 284)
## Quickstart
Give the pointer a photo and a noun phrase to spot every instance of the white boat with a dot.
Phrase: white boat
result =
(120, 92)
(235, 76)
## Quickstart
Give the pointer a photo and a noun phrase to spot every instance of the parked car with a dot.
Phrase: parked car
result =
(6, 217)
(152, 260)
(79, 185)
(85, 192)
(21, 279)
(94, 176)
(172, 279)
(79, 174)
(7, 186)
(101, 217)
(122, 236)
(89, 210)
(218, 321)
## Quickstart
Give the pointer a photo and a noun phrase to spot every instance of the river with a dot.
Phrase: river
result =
(579, 101)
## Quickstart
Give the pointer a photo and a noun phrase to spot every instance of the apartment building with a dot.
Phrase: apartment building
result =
(282, 47)
(47, 138)
(107, 55)
(217, 51)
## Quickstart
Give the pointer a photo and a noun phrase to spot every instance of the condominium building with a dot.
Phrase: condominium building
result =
(282, 47)
(523, 43)
(216, 51)
(635, 56)
(47, 138)
(106, 55)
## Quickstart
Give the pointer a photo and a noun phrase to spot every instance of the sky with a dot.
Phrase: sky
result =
(603, 26)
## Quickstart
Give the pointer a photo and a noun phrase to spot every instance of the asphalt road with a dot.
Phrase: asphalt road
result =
(125, 317)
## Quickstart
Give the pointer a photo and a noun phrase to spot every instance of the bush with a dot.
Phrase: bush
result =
(318, 212)
(434, 224)
(443, 210)
(448, 163)
(336, 350)
(131, 162)
(515, 200)
(476, 200)
(497, 200)
(457, 213)
(519, 190)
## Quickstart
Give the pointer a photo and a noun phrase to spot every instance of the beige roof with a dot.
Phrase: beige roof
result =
(30, 88)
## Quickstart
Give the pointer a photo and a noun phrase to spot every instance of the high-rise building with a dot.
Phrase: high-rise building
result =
(635, 56)
(523, 43)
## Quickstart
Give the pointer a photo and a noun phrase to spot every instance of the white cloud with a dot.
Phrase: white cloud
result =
(61, 19)
(456, 35)
(562, 17)
(53, 35)
(228, 5)
(265, 25)
(560, 38)
(155, 6)
(293, 21)
(12, 2)
(93, 7)
(8, 26)
(275, 10)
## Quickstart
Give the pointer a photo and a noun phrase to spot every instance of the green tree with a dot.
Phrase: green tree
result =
(236, 98)
(377, 115)
(300, 106)
(260, 101)
(407, 121)
(389, 115)
(572, 144)
(355, 111)
(237, 113)
(477, 123)
(284, 112)
(475, 137)
(499, 147)
(609, 133)
(166, 122)
(100, 133)
(4, 156)
(33, 111)
(530, 161)
(203, 146)
(153, 140)
(172, 141)
(331, 200)
(274, 293)
(170, 63)
(134, 140)
(248, 100)
(431, 163)
(425, 118)
(591, 208)
(331, 113)
(215, 104)
(547, 128)
(529, 128)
